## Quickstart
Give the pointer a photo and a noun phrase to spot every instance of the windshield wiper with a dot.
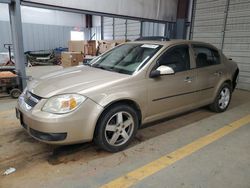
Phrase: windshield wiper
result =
(87, 64)
(104, 68)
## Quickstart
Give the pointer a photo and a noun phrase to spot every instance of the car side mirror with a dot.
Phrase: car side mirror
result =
(161, 70)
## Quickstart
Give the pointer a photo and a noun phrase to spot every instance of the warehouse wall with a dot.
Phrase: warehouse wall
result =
(39, 36)
(208, 21)
(42, 29)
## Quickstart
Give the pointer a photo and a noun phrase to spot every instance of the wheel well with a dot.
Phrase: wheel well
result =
(234, 81)
(128, 102)
(131, 103)
(229, 82)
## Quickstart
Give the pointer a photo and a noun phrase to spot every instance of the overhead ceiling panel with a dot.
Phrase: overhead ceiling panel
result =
(164, 10)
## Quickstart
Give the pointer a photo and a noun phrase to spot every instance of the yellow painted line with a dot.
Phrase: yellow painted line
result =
(6, 112)
(138, 174)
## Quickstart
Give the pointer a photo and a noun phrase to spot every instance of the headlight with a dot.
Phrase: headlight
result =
(61, 104)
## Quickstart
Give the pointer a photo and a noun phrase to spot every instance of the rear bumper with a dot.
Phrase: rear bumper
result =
(74, 127)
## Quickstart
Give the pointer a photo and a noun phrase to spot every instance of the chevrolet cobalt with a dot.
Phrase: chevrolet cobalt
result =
(138, 82)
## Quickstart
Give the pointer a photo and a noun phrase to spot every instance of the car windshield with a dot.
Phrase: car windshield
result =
(127, 58)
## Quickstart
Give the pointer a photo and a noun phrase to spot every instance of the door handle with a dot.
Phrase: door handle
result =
(217, 73)
(188, 79)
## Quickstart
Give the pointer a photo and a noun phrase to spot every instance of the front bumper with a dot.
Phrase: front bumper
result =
(74, 127)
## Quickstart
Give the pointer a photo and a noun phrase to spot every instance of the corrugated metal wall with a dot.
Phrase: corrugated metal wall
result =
(5, 35)
(208, 21)
(237, 38)
(39, 36)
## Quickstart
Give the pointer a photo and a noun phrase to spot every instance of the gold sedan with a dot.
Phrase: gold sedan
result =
(135, 83)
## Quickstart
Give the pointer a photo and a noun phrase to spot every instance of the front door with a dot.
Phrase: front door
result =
(170, 94)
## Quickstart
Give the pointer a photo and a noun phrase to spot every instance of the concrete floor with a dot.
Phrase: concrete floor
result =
(224, 163)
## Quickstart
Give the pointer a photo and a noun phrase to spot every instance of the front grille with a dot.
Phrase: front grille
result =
(31, 99)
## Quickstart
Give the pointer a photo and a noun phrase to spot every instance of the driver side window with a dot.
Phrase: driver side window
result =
(177, 58)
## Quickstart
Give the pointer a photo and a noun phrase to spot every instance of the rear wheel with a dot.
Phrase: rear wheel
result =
(222, 99)
(116, 128)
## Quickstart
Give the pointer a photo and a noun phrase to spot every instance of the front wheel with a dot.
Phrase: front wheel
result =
(222, 99)
(116, 128)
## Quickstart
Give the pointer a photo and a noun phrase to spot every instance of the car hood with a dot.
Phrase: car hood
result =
(81, 79)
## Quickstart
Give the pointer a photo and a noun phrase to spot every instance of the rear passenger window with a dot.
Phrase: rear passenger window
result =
(206, 56)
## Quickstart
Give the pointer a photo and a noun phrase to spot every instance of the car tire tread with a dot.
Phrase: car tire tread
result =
(99, 137)
(215, 105)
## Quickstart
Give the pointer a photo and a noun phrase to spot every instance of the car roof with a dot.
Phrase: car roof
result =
(173, 42)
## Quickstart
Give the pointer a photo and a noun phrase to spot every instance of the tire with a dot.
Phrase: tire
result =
(15, 93)
(222, 99)
(116, 128)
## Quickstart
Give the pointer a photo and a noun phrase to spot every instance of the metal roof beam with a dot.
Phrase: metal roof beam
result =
(5, 1)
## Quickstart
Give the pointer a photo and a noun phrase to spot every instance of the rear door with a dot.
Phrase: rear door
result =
(209, 72)
(169, 94)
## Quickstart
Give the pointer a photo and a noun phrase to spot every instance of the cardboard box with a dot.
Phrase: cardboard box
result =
(86, 47)
(90, 48)
(105, 45)
(71, 59)
(77, 46)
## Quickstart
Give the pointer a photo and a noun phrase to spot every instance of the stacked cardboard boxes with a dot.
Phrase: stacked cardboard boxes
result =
(105, 45)
(77, 51)
(86, 47)
(80, 49)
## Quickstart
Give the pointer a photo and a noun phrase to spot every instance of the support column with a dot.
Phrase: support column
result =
(182, 13)
(141, 29)
(17, 40)
(126, 29)
(102, 33)
(224, 24)
(113, 28)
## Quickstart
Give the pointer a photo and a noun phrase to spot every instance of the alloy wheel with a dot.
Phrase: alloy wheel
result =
(119, 128)
(224, 98)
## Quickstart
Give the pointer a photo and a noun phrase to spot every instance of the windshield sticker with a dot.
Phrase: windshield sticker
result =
(153, 46)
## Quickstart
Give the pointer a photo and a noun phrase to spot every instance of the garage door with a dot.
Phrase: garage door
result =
(208, 25)
(123, 29)
(120, 29)
(108, 28)
(133, 29)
